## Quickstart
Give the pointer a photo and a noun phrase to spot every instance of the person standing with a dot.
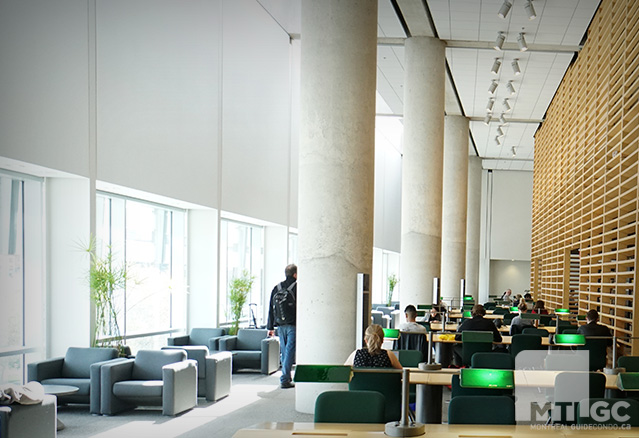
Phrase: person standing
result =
(282, 314)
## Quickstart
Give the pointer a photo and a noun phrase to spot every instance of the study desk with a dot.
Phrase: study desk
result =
(355, 430)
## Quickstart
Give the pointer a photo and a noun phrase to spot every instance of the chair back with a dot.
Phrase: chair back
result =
(388, 384)
(490, 305)
(201, 336)
(148, 363)
(475, 342)
(78, 360)
(412, 341)
(630, 363)
(492, 360)
(500, 311)
(564, 361)
(409, 358)
(597, 353)
(377, 317)
(630, 411)
(545, 319)
(250, 339)
(523, 342)
(477, 409)
(350, 407)
(571, 387)
(536, 331)
(568, 330)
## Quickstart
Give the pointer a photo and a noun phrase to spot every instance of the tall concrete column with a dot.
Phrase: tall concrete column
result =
(336, 182)
(454, 205)
(473, 226)
(422, 169)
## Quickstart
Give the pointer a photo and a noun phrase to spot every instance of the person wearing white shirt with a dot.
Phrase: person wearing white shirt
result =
(411, 325)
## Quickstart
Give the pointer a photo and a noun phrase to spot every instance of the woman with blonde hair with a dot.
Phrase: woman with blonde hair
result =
(373, 355)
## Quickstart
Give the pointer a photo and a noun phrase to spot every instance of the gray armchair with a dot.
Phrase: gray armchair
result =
(33, 421)
(80, 367)
(209, 337)
(252, 348)
(154, 378)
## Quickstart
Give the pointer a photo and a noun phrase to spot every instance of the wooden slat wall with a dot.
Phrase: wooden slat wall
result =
(585, 176)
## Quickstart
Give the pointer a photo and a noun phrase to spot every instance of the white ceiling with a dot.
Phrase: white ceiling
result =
(470, 28)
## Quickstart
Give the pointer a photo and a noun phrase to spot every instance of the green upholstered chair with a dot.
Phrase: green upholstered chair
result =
(350, 407)
(546, 319)
(389, 384)
(597, 351)
(475, 342)
(409, 358)
(568, 330)
(490, 305)
(570, 387)
(493, 360)
(523, 342)
(630, 363)
(477, 409)
(500, 311)
(536, 331)
(626, 407)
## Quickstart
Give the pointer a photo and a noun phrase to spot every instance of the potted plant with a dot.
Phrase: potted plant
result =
(392, 282)
(239, 289)
(105, 277)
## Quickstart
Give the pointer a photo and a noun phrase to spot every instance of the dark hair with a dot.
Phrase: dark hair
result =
(290, 270)
(522, 307)
(410, 311)
(592, 315)
(477, 310)
(539, 304)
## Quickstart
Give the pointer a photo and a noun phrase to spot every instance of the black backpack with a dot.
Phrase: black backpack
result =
(284, 305)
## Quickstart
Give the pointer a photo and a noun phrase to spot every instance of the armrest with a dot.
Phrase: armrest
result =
(95, 385)
(195, 352)
(46, 369)
(214, 342)
(228, 343)
(179, 391)
(178, 340)
(111, 373)
(270, 355)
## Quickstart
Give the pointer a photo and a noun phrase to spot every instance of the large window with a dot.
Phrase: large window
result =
(21, 275)
(242, 249)
(151, 240)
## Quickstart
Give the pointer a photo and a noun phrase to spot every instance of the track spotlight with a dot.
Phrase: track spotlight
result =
(499, 42)
(500, 131)
(530, 10)
(493, 86)
(489, 106)
(507, 106)
(502, 119)
(487, 119)
(522, 42)
(516, 68)
(511, 88)
(498, 140)
(503, 11)
(514, 151)
(496, 65)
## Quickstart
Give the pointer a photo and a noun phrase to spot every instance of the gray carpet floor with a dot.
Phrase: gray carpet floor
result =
(254, 399)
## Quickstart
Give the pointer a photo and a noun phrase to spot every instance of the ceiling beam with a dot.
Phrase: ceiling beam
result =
(484, 45)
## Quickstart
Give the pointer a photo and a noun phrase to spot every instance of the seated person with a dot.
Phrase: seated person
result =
(434, 315)
(517, 325)
(507, 295)
(527, 296)
(476, 323)
(540, 308)
(411, 325)
(373, 355)
(593, 328)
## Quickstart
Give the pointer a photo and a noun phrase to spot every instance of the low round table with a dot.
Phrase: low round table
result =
(60, 390)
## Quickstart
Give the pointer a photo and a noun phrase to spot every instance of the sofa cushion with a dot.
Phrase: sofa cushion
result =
(247, 359)
(148, 363)
(138, 388)
(250, 339)
(201, 336)
(77, 361)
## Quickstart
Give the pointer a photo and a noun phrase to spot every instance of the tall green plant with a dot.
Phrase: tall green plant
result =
(105, 277)
(392, 282)
(239, 289)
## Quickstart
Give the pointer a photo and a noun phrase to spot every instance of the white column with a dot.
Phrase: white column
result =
(473, 227)
(454, 205)
(422, 169)
(336, 182)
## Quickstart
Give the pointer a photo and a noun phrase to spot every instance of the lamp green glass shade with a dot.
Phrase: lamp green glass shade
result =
(391, 333)
(486, 378)
(467, 314)
(628, 381)
(424, 306)
(323, 373)
(514, 309)
(467, 298)
(569, 338)
(421, 313)
(562, 311)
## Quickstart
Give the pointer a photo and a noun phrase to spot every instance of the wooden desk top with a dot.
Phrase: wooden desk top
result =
(354, 430)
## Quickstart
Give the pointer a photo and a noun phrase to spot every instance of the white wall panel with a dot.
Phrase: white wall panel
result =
(44, 83)
(507, 274)
(158, 100)
(388, 197)
(202, 259)
(256, 125)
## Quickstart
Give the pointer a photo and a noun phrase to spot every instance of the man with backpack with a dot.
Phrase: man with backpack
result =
(282, 313)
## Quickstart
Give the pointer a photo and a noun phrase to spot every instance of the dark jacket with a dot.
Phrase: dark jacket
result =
(479, 323)
(595, 329)
(270, 324)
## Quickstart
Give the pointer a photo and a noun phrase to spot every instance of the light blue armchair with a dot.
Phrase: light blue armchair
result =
(80, 367)
(209, 337)
(252, 348)
(154, 378)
